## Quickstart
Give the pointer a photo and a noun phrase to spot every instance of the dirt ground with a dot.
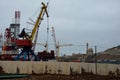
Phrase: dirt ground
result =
(63, 77)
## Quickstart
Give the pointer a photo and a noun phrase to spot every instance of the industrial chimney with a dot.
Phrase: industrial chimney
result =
(17, 17)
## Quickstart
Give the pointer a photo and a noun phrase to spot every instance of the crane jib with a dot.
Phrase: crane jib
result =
(38, 21)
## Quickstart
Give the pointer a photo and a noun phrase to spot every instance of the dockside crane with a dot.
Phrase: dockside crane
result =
(28, 42)
(57, 45)
(55, 42)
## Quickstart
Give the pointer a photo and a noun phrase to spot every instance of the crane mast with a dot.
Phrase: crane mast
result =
(56, 45)
(55, 42)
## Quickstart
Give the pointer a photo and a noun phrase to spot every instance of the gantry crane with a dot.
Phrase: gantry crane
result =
(26, 43)
(57, 45)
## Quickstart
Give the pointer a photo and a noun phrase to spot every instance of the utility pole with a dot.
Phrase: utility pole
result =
(96, 59)
(86, 48)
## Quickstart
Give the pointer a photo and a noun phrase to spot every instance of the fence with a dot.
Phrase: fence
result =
(65, 68)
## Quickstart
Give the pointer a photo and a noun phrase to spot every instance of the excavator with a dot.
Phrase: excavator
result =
(26, 42)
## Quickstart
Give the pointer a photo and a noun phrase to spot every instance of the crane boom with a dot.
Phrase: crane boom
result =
(54, 38)
(62, 45)
(38, 21)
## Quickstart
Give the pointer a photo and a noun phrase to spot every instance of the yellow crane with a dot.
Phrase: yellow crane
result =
(33, 36)
(28, 42)
(39, 19)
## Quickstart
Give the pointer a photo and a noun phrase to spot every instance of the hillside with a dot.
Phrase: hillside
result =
(113, 50)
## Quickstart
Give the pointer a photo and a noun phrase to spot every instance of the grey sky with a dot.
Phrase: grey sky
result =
(76, 21)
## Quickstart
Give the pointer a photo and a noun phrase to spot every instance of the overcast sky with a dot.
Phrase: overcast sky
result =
(76, 21)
